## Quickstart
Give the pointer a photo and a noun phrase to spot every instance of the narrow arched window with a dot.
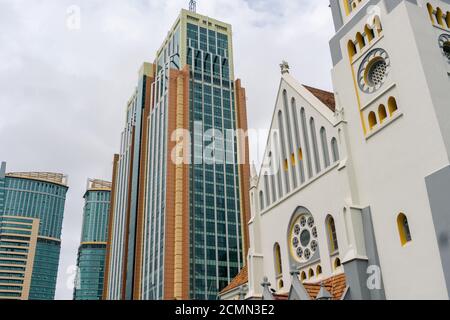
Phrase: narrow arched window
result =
(272, 178)
(369, 32)
(298, 143)
(306, 138)
(278, 164)
(403, 229)
(310, 273)
(325, 151)
(447, 19)
(337, 263)
(351, 48)
(382, 113)
(277, 260)
(261, 200)
(430, 12)
(319, 270)
(283, 149)
(360, 39)
(372, 120)
(332, 235)
(266, 187)
(440, 17)
(378, 25)
(312, 126)
(303, 276)
(335, 149)
(392, 105)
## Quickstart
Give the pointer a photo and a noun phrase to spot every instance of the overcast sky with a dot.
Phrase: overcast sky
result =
(63, 92)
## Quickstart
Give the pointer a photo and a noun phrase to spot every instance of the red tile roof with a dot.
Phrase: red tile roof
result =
(325, 97)
(239, 280)
(335, 285)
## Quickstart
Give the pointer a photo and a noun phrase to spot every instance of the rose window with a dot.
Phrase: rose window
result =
(304, 242)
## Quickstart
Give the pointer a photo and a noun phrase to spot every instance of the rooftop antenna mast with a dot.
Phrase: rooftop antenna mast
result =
(193, 5)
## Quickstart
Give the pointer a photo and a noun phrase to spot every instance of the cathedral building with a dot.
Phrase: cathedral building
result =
(352, 198)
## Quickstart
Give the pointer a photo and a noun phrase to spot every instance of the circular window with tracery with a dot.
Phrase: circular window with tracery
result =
(303, 238)
(444, 44)
(374, 70)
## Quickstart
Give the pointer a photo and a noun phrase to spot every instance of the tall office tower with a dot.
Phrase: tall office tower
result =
(92, 251)
(180, 200)
(392, 78)
(31, 216)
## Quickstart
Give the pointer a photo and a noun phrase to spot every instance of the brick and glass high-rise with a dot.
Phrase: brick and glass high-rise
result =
(92, 250)
(31, 217)
(180, 192)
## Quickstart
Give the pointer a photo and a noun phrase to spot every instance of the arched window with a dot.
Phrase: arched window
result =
(337, 263)
(378, 25)
(261, 200)
(277, 260)
(430, 11)
(440, 17)
(325, 151)
(382, 113)
(403, 229)
(266, 187)
(447, 19)
(319, 270)
(280, 284)
(303, 276)
(310, 273)
(283, 149)
(335, 149)
(312, 126)
(332, 235)
(289, 136)
(272, 178)
(392, 105)
(278, 163)
(369, 32)
(372, 120)
(351, 48)
(360, 39)
(307, 148)
(298, 144)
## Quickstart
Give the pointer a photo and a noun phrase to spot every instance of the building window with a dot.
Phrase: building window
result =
(280, 284)
(392, 105)
(351, 48)
(306, 138)
(261, 200)
(310, 273)
(444, 44)
(303, 238)
(335, 149)
(332, 235)
(337, 263)
(430, 12)
(326, 154)
(278, 265)
(303, 276)
(369, 32)
(403, 229)
(374, 70)
(372, 120)
(315, 146)
(266, 186)
(382, 113)
(319, 270)
(360, 40)
(440, 17)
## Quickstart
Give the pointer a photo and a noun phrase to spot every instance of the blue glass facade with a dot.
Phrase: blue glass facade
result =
(30, 195)
(92, 251)
(215, 219)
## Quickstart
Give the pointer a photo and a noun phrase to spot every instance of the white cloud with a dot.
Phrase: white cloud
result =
(63, 93)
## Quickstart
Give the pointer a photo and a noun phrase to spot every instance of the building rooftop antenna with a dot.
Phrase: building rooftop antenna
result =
(193, 5)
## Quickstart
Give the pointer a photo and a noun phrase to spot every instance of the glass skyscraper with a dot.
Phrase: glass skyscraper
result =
(92, 250)
(181, 210)
(31, 216)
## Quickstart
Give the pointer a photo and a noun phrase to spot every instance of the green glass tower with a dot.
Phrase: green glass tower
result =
(31, 217)
(92, 250)
(181, 209)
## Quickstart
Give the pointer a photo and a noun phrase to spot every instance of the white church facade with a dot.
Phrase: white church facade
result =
(353, 198)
